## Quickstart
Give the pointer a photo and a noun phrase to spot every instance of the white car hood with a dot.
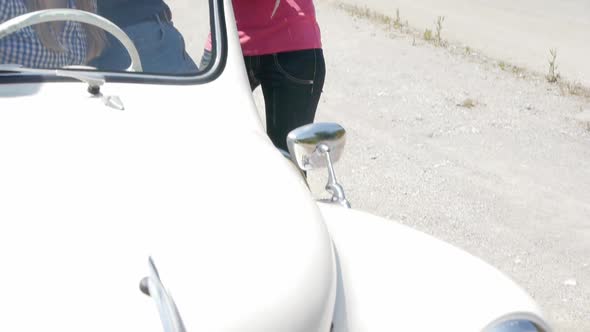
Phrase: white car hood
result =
(88, 193)
(395, 278)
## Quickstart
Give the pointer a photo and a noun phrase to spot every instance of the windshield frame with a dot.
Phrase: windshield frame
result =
(208, 74)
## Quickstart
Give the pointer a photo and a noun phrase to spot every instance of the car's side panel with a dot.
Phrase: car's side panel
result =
(393, 278)
(185, 174)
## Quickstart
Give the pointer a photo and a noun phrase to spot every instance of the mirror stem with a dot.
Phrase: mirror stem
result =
(333, 187)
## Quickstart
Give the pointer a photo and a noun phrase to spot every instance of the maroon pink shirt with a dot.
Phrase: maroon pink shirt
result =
(293, 26)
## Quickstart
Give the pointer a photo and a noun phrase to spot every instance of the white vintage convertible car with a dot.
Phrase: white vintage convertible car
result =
(132, 201)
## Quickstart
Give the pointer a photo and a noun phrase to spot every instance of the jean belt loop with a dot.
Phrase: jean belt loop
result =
(162, 31)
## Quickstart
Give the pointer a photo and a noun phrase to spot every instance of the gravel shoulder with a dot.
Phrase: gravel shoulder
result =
(492, 162)
(520, 32)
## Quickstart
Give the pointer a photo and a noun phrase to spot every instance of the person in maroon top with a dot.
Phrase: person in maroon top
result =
(282, 49)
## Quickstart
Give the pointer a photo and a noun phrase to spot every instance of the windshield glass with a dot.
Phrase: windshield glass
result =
(145, 36)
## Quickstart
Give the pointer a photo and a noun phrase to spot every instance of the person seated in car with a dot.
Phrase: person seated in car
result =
(49, 45)
(148, 23)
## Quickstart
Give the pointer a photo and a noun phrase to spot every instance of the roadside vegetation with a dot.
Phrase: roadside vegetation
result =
(397, 22)
(439, 26)
(573, 88)
(553, 75)
(435, 37)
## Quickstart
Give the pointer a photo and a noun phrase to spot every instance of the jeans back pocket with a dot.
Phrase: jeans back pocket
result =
(297, 66)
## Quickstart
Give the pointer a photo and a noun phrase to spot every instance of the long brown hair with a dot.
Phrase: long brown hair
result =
(47, 32)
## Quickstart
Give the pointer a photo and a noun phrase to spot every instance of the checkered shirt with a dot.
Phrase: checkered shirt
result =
(25, 48)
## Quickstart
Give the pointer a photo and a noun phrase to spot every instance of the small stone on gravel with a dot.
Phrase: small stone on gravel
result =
(570, 282)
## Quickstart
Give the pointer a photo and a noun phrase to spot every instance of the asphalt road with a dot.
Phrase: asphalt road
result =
(507, 179)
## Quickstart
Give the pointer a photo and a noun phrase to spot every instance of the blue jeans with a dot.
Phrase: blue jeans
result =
(160, 45)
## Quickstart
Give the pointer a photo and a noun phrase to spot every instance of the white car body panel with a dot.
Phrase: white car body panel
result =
(394, 278)
(186, 174)
(84, 187)
(91, 185)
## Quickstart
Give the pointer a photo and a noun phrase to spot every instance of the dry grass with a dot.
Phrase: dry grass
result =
(367, 13)
(574, 88)
(553, 74)
(468, 103)
(439, 26)
(395, 23)
(516, 70)
(427, 35)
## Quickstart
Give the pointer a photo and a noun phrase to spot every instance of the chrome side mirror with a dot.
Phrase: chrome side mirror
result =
(319, 145)
(303, 142)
